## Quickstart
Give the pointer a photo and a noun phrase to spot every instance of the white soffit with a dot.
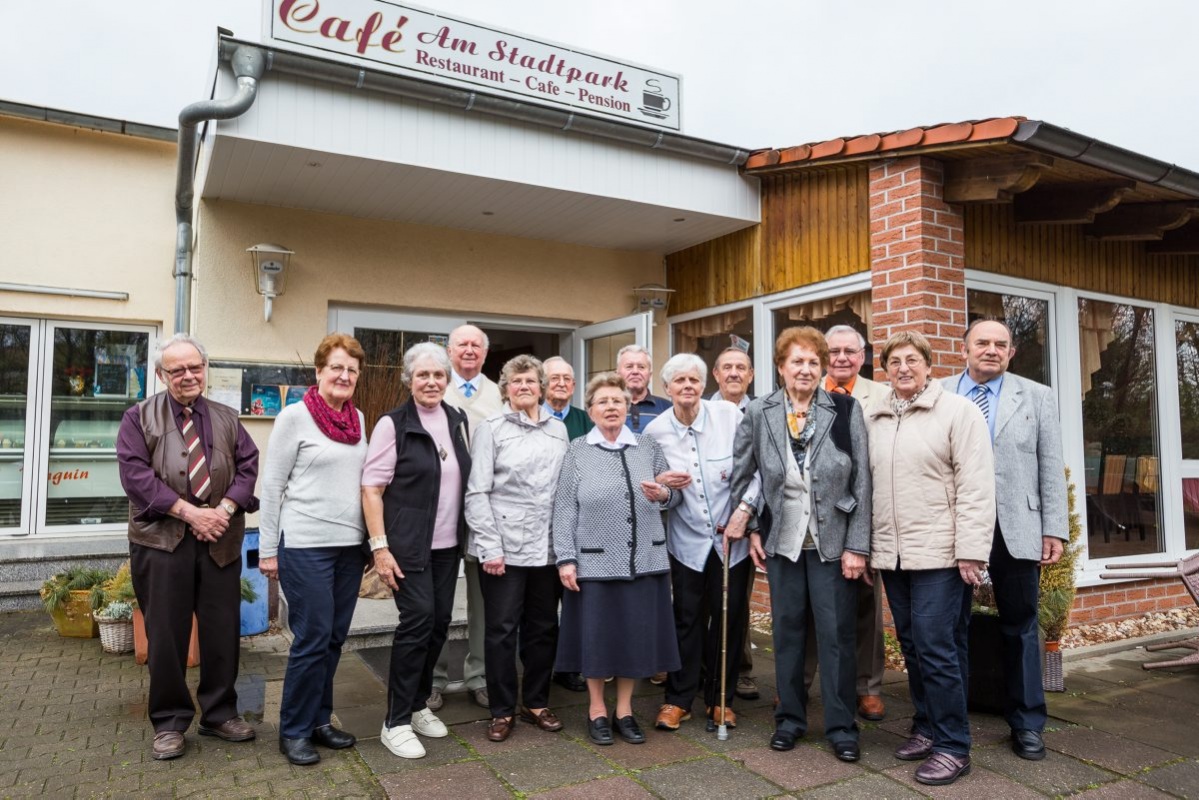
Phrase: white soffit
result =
(310, 145)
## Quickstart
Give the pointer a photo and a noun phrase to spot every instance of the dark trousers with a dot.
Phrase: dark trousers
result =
(868, 639)
(321, 584)
(170, 587)
(931, 610)
(425, 601)
(697, 622)
(522, 609)
(1017, 590)
(796, 587)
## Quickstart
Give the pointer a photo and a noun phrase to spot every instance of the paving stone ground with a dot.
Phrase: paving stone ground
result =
(73, 725)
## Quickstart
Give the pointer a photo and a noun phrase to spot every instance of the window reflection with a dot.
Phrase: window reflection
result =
(852, 310)
(14, 407)
(1028, 319)
(1187, 337)
(708, 337)
(1190, 512)
(1120, 431)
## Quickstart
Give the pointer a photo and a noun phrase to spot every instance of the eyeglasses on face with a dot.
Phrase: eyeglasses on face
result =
(178, 372)
(339, 369)
(848, 352)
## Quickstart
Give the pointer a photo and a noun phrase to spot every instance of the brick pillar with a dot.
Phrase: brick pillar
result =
(917, 258)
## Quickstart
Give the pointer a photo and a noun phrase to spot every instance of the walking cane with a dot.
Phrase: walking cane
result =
(722, 733)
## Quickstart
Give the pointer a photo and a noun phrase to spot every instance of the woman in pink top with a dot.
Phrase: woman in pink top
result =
(413, 485)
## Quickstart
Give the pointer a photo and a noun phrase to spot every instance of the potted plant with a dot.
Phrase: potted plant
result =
(71, 597)
(1057, 598)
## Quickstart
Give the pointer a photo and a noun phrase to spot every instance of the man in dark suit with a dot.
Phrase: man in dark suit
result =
(1030, 501)
(188, 468)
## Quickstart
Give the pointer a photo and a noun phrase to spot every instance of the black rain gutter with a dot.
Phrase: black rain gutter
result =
(344, 74)
(1065, 143)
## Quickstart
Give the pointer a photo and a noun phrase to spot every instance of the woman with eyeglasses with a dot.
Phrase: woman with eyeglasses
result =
(311, 531)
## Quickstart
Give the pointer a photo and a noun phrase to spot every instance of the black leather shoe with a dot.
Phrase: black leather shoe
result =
(600, 731)
(328, 736)
(299, 751)
(847, 751)
(1028, 744)
(782, 741)
(570, 680)
(628, 729)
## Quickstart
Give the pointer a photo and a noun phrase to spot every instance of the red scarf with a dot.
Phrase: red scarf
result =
(340, 426)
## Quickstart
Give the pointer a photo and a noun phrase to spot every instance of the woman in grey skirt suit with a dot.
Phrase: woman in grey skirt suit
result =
(611, 556)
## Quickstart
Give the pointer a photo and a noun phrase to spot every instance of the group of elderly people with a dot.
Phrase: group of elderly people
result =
(822, 494)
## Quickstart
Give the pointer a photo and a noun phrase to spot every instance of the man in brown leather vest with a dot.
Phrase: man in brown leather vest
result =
(188, 468)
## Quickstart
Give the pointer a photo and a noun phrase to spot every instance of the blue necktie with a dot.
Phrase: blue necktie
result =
(984, 405)
(468, 389)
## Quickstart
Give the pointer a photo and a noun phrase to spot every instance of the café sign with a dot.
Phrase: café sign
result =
(427, 44)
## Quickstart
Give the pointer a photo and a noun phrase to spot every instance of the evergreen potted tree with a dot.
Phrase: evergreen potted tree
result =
(1057, 598)
(71, 597)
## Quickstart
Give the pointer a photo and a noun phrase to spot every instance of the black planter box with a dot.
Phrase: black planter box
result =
(986, 691)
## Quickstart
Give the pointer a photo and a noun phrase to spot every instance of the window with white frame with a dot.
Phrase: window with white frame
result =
(64, 387)
(1128, 394)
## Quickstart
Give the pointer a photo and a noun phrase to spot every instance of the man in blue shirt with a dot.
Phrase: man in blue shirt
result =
(635, 366)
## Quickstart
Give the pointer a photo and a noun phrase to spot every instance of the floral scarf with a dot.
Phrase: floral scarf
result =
(340, 426)
(801, 438)
(900, 406)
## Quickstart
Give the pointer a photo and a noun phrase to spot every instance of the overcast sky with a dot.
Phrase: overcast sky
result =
(756, 73)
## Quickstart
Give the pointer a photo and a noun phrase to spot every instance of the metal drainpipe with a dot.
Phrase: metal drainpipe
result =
(248, 64)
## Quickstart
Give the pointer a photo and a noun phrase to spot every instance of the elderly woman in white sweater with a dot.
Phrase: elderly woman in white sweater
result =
(311, 533)
(515, 460)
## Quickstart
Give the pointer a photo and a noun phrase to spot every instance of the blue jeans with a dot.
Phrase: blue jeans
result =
(931, 610)
(321, 584)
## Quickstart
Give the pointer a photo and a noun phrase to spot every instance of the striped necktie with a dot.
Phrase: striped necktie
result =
(197, 466)
(980, 400)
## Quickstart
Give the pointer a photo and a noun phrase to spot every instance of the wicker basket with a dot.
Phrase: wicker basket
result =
(116, 635)
(1053, 678)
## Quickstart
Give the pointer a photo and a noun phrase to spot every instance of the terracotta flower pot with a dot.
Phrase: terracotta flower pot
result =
(141, 643)
(74, 618)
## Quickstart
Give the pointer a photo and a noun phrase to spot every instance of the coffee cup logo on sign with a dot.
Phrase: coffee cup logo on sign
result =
(653, 102)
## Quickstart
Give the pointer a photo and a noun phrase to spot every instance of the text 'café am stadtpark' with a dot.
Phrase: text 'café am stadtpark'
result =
(394, 172)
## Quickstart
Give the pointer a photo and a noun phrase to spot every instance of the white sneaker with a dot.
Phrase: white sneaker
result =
(426, 723)
(402, 741)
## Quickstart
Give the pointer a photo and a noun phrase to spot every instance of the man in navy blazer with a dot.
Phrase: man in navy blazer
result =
(1030, 501)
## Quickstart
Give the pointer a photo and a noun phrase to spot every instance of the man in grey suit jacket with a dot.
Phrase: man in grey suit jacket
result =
(1030, 501)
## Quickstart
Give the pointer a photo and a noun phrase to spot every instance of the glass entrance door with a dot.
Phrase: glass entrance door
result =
(18, 379)
(596, 346)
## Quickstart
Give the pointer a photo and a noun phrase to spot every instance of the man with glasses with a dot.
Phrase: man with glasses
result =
(188, 468)
(847, 355)
(560, 376)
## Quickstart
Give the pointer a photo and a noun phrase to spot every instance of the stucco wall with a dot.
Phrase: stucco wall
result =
(83, 209)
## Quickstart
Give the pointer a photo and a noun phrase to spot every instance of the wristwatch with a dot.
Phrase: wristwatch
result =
(229, 508)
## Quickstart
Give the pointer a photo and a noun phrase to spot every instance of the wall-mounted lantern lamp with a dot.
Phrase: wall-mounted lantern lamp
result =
(270, 271)
(652, 297)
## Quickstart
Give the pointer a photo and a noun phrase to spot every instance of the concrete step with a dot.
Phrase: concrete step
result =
(26, 563)
(374, 621)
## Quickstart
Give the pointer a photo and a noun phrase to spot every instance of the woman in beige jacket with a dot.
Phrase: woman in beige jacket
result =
(934, 516)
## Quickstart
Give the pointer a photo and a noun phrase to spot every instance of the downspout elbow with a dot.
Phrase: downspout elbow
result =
(248, 65)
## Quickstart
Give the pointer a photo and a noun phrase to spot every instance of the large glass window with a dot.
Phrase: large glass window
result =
(1120, 428)
(1028, 319)
(1186, 335)
(14, 420)
(852, 310)
(709, 336)
(94, 375)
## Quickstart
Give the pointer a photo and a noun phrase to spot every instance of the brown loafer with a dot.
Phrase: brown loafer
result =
(499, 729)
(870, 706)
(545, 720)
(168, 744)
(658, 678)
(730, 719)
(670, 717)
(941, 769)
(234, 729)
(916, 748)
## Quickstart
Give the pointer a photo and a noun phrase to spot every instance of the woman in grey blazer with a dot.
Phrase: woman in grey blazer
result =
(617, 617)
(809, 447)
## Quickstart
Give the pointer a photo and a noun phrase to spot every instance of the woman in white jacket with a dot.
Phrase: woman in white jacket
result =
(515, 457)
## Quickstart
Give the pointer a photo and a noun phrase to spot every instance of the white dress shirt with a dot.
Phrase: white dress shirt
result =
(704, 450)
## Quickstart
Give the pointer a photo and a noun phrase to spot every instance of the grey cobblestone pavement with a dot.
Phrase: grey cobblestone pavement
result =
(73, 725)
